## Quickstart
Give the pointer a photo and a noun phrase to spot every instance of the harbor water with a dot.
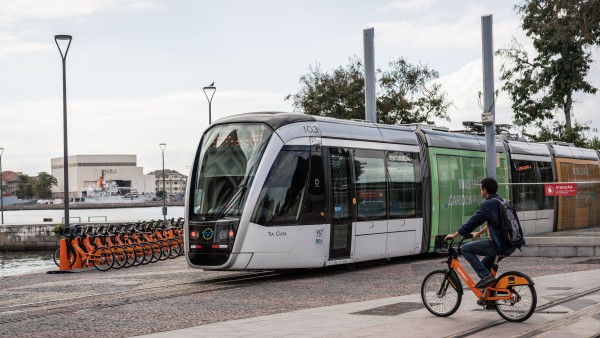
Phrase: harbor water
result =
(12, 263)
(90, 215)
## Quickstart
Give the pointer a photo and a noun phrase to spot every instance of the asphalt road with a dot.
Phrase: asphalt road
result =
(168, 295)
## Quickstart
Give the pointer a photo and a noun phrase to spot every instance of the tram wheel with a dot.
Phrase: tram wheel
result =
(383, 261)
(351, 266)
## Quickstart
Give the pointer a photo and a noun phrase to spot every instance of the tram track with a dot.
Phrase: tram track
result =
(569, 318)
(98, 301)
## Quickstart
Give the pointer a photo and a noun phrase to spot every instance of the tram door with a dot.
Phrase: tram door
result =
(341, 206)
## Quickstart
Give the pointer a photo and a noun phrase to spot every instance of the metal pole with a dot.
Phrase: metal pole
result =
(369, 54)
(1, 189)
(66, 150)
(212, 89)
(488, 95)
(164, 211)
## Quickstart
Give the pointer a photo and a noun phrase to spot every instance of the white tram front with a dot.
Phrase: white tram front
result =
(283, 191)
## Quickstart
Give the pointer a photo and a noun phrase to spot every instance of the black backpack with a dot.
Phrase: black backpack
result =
(510, 228)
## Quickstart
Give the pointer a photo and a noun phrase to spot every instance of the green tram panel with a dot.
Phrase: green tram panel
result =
(455, 177)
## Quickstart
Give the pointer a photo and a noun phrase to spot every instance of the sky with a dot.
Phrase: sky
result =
(136, 68)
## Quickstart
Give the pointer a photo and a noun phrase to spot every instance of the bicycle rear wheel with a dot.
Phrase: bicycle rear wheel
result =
(523, 302)
(440, 296)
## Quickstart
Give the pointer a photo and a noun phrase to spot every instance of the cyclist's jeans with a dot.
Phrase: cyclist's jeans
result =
(486, 248)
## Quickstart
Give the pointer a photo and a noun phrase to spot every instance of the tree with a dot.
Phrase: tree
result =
(406, 93)
(563, 33)
(39, 187)
(25, 187)
(42, 186)
(339, 94)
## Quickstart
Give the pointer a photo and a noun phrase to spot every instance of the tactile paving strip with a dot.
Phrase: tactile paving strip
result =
(392, 309)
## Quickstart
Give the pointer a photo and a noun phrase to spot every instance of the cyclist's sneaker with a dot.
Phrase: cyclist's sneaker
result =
(486, 305)
(485, 281)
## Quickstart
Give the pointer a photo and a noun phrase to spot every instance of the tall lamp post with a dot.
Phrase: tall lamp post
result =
(164, 211)
(211, 89)
(65, 39)
(1, 189)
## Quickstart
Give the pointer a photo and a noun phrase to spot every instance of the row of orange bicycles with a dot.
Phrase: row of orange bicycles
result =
(115, 246)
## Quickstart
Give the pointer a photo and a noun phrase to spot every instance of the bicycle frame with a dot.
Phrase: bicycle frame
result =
(500, 289)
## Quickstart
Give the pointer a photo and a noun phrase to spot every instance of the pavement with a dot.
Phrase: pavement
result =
(405, 316)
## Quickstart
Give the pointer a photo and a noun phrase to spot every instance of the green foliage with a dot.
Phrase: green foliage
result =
(593, 143)
(556, 131)
(58, 229)
(25, 187)
(337, 94)
(406, 93)
(563, 34)
(39, 187)
(42, 186)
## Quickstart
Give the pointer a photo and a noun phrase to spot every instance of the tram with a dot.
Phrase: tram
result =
(286, 190)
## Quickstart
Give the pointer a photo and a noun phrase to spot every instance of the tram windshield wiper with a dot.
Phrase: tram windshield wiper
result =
(237, 195)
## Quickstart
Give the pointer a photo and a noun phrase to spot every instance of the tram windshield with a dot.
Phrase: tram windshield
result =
(229, 157)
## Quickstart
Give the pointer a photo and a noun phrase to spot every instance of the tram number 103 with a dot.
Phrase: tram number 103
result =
(311, 129)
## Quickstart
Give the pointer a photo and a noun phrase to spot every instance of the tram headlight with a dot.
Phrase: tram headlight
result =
(223, 234)
(194, 234)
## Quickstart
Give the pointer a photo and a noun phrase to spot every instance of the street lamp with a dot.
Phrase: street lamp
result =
(164, 211)
(1, 191)
(65, 39)
(211, 89)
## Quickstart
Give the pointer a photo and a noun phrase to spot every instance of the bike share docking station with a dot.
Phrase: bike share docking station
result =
(65, 265)
(115, 246)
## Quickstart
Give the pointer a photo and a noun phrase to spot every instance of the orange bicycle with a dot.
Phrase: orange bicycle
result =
(512, 294)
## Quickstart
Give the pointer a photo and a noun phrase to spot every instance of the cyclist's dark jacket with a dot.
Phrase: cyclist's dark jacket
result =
(489, 212)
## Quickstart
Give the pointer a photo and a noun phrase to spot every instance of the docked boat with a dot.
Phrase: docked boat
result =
(110, 192)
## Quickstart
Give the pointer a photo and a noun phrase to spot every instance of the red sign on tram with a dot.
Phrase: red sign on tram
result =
(560, 189)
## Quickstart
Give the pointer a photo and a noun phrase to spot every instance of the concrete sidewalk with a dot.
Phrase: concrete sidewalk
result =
(406, 317)
(566, 243)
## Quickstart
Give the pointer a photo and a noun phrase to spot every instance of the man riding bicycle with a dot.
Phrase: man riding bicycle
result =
(489, 212)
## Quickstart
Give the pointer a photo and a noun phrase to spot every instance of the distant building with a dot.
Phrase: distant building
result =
(91, 171)
(10, 182)
(175, 182)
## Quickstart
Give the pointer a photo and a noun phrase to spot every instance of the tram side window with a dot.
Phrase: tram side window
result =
(282, 197)
(525, 195)
(403, 185)
(545, 169)
(341, 183)
(369, 167)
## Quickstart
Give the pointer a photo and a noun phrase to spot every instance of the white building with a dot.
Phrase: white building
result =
(174, 181)
(85, 171)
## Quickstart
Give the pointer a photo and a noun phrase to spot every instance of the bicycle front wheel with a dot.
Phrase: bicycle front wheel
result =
(120, 257)
(70, 256)
(522, 303)
(440, 296)
(103, 258)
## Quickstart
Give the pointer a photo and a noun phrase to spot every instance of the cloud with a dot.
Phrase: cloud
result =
(43, 9)
(435, 29)
(409, 5)
(32, 132)
(12, 12)
(464, 84)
